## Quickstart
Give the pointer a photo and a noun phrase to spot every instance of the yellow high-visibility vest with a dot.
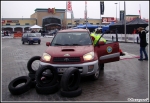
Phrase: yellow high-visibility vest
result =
(97, 37)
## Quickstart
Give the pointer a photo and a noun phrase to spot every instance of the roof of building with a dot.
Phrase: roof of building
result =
(18, 18)
(73, 30)
(132, 15)
(39, 9)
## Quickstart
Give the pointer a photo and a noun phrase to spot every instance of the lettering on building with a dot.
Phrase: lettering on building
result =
(12, 21)
(51, 10)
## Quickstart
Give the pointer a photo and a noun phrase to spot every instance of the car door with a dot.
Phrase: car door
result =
(108, 52)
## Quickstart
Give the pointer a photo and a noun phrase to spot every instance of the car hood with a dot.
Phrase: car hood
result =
(73, 51)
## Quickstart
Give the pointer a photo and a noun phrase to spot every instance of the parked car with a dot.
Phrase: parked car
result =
(31, 38)
(74, 48)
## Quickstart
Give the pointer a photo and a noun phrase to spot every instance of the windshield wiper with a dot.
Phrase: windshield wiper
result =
(57, 44)
(76, 44)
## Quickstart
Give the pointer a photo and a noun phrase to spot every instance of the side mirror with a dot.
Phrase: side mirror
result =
(48, 43)
(101, 43)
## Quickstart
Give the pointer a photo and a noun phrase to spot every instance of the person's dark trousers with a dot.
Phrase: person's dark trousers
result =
(142, 50)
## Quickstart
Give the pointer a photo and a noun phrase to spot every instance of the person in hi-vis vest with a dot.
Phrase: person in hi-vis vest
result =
(96, 35)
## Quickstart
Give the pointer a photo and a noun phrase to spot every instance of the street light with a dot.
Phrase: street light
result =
(116, 11)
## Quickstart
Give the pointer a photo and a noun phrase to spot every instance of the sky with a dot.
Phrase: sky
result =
(19, 9)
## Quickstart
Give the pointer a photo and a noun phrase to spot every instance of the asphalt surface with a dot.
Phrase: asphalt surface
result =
(118, 82)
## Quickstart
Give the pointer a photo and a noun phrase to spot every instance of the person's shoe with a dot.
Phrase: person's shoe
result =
(122, 54)
(145, 59)
(140, 59)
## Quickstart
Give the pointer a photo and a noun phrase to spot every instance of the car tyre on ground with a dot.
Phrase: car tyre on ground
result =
(21, 89)
(52, 79)
(70, 79)
(74, 93)
(29, 64)
(47, 89)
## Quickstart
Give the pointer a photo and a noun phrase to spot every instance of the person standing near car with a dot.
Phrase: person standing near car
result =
(143, 43)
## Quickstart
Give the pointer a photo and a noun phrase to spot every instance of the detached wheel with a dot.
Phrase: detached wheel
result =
(47, 89)
(29, 64)
(70, 79)
(74, 93)
(15, 89)
(50, 73)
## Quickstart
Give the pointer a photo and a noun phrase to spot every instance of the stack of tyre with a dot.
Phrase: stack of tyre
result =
(45, 80)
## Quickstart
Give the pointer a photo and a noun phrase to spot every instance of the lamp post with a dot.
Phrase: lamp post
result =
(116, 11)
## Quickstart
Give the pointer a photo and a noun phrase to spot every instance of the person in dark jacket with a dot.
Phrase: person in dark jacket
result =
(143, 43)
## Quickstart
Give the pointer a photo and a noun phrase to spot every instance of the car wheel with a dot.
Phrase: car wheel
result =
(39, 42)
(49, 80)
(74, 93)
(15, 89)
(70, 79)
(29, 64)
(101, 66)
(47, 89)
(96, 75)
(22, 42)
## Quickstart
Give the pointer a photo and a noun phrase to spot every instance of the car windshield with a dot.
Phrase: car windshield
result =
(34, 35)
(72, 39)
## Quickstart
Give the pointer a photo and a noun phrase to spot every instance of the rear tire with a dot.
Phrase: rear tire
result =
(22, 42)
(39, 42)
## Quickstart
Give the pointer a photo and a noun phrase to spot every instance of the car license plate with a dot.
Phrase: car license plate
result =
(61, 70)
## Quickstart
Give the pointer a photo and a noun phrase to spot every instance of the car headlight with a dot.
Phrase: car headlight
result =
(46, 57)
(88, 56)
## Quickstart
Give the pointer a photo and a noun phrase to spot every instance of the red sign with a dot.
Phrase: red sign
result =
(12, 21)
(51, 10)
(3, 21)
(69, 6)
(108, 19)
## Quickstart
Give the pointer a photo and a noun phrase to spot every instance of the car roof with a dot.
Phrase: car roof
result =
(74, 30)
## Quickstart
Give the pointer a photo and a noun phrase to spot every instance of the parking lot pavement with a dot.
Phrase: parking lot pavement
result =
(120, 80)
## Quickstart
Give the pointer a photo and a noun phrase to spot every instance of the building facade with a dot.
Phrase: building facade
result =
(17, 24)
(51, 18)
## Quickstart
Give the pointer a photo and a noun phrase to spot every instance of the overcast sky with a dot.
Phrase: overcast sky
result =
(17, 9)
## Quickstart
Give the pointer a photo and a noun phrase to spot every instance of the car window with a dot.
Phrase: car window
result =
(34, 35)
(72, 38)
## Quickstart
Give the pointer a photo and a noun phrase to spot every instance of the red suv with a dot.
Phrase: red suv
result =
(74, 48)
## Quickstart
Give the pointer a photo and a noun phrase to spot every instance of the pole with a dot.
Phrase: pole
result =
(71, 20)
(140, 10)
(100, 21)
(66, 15)
(119, 11)
(116, 12)
(86, 13)
(125, 21)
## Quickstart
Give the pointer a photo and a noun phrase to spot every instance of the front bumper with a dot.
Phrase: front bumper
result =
(83, 68)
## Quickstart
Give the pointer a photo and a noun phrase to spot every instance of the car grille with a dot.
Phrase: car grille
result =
(66, 59)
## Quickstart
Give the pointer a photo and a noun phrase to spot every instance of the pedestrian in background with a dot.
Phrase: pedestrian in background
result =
(143, 43)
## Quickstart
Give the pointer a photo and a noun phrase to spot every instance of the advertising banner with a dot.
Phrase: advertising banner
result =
(108, 19)
(121, 15)
(102, 7)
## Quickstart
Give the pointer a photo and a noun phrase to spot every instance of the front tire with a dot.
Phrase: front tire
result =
(96, 75)
(22, 42)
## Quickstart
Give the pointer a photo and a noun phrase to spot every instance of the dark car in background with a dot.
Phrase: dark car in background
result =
(31, 38)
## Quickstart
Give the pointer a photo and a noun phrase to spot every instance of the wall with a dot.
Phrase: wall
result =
(22, 22)
(41, 15)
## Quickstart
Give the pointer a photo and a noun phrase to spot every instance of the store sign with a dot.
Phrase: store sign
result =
(108, 19)
(130, 18)
(12, 21)
(51, 10)
(3, 21)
